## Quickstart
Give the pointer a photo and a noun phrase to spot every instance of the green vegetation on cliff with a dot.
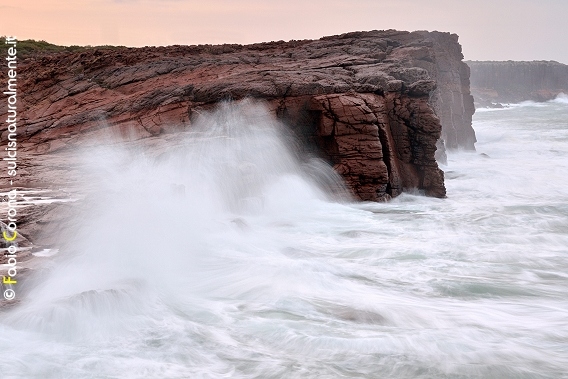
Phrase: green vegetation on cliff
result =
(31, 47)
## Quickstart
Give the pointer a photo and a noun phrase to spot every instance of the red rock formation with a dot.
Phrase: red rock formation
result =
(367, 100)
(452, 100)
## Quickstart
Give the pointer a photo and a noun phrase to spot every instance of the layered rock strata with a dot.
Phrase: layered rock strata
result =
(371, 102)
(494, 82)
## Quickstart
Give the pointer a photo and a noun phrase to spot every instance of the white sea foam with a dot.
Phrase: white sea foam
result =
(225, 258)
(487, 109)
(562, 98)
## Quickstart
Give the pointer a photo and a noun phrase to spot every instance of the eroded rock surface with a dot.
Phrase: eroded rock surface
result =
(374, 104)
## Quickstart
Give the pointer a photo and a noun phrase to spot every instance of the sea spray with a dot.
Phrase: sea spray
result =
(562, 98)
(162, 233)
(175, 272)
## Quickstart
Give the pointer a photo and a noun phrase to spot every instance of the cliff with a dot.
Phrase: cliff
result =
(370, 102)
(451, 99)
(513, 82)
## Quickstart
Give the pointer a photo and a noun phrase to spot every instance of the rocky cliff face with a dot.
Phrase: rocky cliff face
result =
(369, 102)
(452, 100)
(513, 82)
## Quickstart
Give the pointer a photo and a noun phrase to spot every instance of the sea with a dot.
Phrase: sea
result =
(231, 255)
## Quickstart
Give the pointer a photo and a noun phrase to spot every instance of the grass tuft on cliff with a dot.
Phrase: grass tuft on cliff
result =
(32, 47)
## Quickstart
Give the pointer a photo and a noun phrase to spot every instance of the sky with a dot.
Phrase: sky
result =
(488, 29)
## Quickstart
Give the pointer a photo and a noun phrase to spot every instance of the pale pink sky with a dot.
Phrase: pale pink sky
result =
(488, 29)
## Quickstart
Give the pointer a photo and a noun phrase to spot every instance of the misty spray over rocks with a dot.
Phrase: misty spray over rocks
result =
(225, 255)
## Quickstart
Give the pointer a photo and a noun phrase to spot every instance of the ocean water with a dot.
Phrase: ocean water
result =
(227, 257)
